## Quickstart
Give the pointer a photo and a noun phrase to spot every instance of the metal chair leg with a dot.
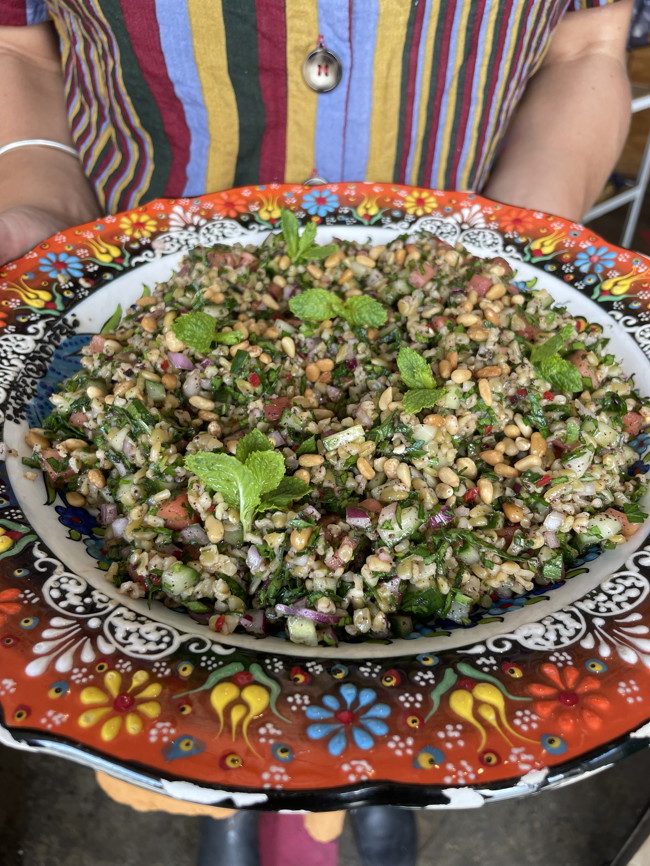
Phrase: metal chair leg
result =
(231, 841)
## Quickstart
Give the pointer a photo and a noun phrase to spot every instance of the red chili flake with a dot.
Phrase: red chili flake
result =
(548, 395)
(164, 365)
(522, 392)
(543, 480)
(471, 495)
(254, 379)
(488, 428)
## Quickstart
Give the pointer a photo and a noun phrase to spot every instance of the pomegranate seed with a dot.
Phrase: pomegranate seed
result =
(522, 392)
(471, 495)
(254, 379)
(548, 395)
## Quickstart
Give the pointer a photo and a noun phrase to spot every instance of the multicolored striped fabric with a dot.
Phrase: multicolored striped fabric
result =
(182, 97)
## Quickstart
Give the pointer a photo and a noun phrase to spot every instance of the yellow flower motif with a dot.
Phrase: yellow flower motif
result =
(270, 209)
(419, 202)
(368, 208)
(621, 285)
(547, 244)
(138, 225)
(115, 706)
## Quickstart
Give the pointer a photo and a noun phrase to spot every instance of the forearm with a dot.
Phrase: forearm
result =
(32, 105)
(565, 137)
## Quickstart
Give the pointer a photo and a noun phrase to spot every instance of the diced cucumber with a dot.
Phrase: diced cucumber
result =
(580, 462)
(605, 435)
(409, 521)
(343, 437)
(402, 625)
(451, 399)
(602, 526)
(180, 579)
(302, 630)
(155, 391)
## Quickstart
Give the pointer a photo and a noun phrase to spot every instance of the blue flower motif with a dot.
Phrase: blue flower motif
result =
(320, 202)
(76, 518)
(640, 443)
(357, 713)
(596, 258)
(66, 265)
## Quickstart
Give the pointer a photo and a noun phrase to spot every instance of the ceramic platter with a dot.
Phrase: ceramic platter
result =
(557, 683)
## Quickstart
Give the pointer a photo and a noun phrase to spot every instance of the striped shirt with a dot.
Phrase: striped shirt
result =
(182, 97)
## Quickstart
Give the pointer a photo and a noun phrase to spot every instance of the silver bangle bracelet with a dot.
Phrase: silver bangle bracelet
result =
(38, 142)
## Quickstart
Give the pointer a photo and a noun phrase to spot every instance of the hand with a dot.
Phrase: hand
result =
(24, 226)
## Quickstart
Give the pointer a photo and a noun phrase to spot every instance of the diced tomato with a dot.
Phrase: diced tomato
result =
(528, 332)
(165, 365)
(522, 392)
(273, 410)
(633, 422)
(471, 495)
(628, 529)
(582, 365)
(421, 274)
(78, 419)
(439, 322)
(232, 259)
(371, 505)
(254, 379)
(177, 513)
(508, 272)
(481, 284)
(55, 476)
(548, 395)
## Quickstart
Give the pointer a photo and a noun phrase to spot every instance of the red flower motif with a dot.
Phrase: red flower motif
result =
(570, 699)
(230, 204)
(516, 222)
(8, 604)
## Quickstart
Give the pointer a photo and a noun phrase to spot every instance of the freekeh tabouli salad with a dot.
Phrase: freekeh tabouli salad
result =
(345, 441)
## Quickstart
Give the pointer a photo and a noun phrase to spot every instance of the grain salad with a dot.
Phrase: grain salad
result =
(346, 441)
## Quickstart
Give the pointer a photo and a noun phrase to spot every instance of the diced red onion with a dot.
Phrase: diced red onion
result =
(253, 558)
(357, 517)
(301, 560)
(202, 617)
(442, 518)
(312, 512)
(180, 361)
(254, 621)
(205, 363)
(107, 513)
(553, 521)
(194, 534)
(307, 613)
(277, 437)
(551, 540)
(118, 526)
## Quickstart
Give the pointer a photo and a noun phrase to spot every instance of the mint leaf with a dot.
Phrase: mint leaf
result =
(290, 232)
(307, 447)
(307, 238)
(552, 346)
(421, 398)
(251, 442)
(267, 468)
(317, 253)
(225, 474)
(561, 375)
(196, 330)
(316, 305)
(228, 338)
(361, 311)
(415, 371)
(113, 322)
(285, 493)
(634, 512)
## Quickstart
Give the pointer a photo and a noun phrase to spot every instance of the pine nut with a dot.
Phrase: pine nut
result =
(506, 471)
(314, 272)
(271, 333)
(538, 444)
(490, 372)
(451, 425)
(443, 491)
(467, 467)
(497, 291)
(512, 431)
(73, 444)
(169, 318)
(365, 468)
(96, 477)
(404, 474)
(201, 403)
(366, 261)
(213, 528)
(513, 512)
(279, 281)
(478, 335)
(390, 468)
(145, 301)
(345, 276)
(485, 490)
(452, 357)
(333, 259)
(375, 252)
(35, 438)
(169, 381)
(491, 456)
(485, 391)
(284, 263)
(288, 346)
(148, 324)
(445, 369)
(299, 538)
(310, 460)
(526, 429)
(461, 375)
(76, 499)
(326, 365)
(467, 319)
(269, 301)
(531, 461)
(448, 476)
(491, 315)
(173, 343)
(303, 475)
(312, 372)
(386, 398)
(434, 420)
